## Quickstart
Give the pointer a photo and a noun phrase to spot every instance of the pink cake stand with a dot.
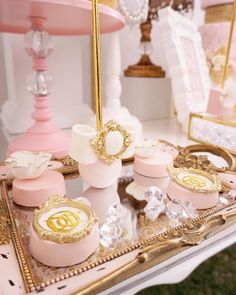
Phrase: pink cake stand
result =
(58, 17)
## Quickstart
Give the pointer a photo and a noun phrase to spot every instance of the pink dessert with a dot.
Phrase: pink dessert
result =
(161, 182)
(194, 185)
(66, 254)
(198, 200)
(154, 166)
(64, 232)
(33, 192)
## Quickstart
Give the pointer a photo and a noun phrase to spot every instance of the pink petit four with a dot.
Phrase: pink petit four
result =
(193, 185)
(64, 232)
(154, 166)
(33, 192)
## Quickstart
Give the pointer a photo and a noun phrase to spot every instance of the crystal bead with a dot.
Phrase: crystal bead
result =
(39, 83)
(116, 212)
(145, 48)
(180, 210)
(110, 230)
(153, 192)
(231, 194)
(153, 209)
(38, 43)
(110, 233)
(223, 200)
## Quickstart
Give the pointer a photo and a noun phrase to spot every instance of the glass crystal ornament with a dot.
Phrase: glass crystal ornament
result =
(228, 197)
(38, 43)
(145, 48)
(122, 216)
(155, 205)
(152, 193)
(116, 213)
(153, 209)
(39, 83)
(178, 210)
(110, 234)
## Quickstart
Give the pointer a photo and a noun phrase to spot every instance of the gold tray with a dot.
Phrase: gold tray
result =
(156, 240)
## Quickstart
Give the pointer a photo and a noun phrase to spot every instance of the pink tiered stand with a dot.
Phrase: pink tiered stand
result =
(58, 17)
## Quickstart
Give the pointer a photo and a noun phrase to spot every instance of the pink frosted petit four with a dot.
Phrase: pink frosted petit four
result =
(193, 185)
(33, 192)
(138, 187)
(153, 166)
(64, 232)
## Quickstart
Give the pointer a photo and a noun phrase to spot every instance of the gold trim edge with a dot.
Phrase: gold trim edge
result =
(63, 237)
(216, 184)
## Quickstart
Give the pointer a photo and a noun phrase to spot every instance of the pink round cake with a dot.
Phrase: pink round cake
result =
(154, 166)
(199, 188)
(33, 192)
(63, 232)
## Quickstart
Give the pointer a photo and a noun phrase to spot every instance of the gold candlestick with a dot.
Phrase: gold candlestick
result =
(96, 65)
(229, 45)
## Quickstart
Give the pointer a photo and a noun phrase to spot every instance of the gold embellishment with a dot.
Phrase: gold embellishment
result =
(218, 13)
(110, 3)
(62, 229)
(195, 180)
(99, 142)
(63, 221)
(4, 236)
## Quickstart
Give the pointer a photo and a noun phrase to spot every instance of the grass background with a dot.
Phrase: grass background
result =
(216, 276)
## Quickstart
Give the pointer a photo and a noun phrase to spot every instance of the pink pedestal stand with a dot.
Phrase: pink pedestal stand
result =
(60, 18)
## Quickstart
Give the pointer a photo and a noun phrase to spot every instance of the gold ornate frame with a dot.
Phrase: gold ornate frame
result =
(152, 250)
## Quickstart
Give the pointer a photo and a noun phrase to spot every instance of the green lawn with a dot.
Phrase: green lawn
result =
(216, 276)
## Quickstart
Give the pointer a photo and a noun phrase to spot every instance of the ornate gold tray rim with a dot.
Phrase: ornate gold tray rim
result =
(26, 271)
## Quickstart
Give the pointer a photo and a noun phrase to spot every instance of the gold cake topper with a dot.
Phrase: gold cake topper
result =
(63, 221)
(62, 224)
(195, 180)
(99, 142)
